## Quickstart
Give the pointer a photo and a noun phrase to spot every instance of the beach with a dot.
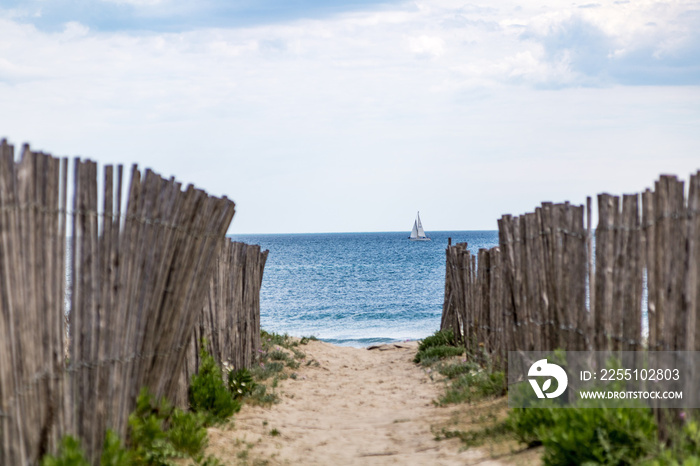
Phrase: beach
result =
(353, 406)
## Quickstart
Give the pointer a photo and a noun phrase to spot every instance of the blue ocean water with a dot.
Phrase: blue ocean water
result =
(356, 289)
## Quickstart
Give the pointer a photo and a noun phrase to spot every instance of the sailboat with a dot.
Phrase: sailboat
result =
(417, 233)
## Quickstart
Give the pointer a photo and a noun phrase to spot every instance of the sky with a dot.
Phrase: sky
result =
(347, 116)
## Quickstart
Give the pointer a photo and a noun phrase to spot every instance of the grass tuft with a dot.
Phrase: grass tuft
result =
(306, 340)
(433, 354)
(475, 385)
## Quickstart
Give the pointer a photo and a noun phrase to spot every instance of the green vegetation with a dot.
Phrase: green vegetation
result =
(161, 435)
(262, 397)
(279, 354)
(452, 371)
(476, 384)
(271, 339)
(439, 338)
(69, 454)
(441, 345)
(306, 340)
(592, 432)
(478, 424)
(684, 449)
(187, 432)
(209, 394)
(530, 424)
(431, 355)
(298, 354)
(114, 453)
(587, 433)
(265, 371)
(286, 358)
(596, 434)
(467, 380)
(241, 383)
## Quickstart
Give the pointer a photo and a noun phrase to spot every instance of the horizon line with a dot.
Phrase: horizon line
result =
(354, 232)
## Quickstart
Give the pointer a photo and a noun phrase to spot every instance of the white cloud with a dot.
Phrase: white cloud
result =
(75, 30)
(20, 13)
(301, 112)
(427, 46)
(635, 43)
(12, 73)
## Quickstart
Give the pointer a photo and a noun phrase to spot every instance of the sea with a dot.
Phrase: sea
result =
(356, 289)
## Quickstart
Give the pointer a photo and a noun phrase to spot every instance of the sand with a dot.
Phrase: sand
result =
(356, 407)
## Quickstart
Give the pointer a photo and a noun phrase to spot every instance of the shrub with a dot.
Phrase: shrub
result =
(241, 383)
(439, 338)
(158, 433)
(684, 449)
(586, 433)
(147, 432)
(187, 432)
(209, 394)
(69, 454)
(114, 453)
(602, 435)
(528, 423)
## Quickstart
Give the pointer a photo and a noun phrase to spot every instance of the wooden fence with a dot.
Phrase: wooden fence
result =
(136, 283)
(229, 323)
(540, 289)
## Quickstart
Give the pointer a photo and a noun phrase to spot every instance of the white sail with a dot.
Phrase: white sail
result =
(417, 233)
(421, 232)
(414, 231)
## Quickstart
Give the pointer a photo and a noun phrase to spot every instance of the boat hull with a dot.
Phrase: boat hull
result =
(419, 239)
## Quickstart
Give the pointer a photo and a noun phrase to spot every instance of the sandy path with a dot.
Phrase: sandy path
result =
(358, 406)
